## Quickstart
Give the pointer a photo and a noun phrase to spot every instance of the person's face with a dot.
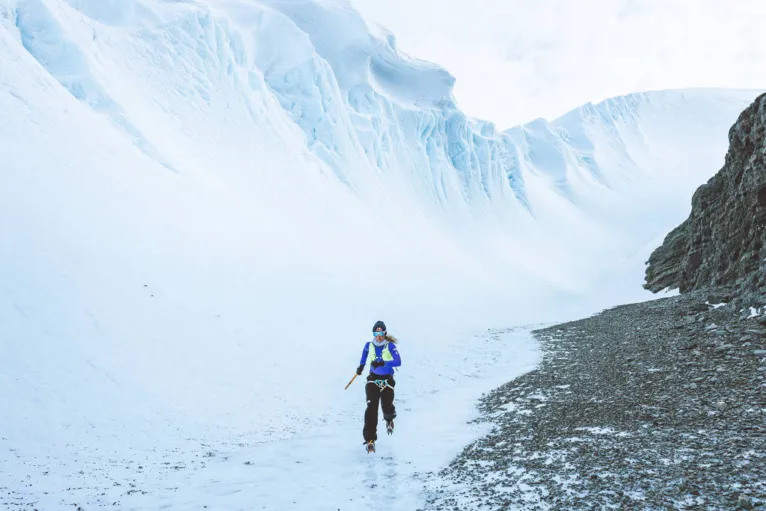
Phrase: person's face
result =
(379, 334)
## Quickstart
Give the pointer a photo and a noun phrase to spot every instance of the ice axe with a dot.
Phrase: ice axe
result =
(352, 381)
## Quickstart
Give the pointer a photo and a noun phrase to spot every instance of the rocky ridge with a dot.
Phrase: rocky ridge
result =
(722, 241)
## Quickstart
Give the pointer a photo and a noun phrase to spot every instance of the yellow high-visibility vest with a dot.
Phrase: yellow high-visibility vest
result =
(385, 355)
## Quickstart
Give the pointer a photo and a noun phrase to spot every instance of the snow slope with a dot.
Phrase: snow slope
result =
(205, 205)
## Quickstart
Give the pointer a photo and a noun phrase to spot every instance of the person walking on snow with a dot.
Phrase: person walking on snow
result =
(383, 357)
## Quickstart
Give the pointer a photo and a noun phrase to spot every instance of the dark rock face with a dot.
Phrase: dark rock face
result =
(722, 241)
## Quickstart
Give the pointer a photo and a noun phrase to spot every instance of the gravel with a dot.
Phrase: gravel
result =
(652, 406)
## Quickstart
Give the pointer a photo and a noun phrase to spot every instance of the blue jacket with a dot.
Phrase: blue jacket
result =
(388, 367)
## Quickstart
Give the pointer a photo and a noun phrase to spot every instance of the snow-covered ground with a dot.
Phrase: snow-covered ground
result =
(204, 206)
(150, 460)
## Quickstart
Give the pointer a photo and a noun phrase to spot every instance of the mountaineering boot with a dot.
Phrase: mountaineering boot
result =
(370, 446)
(390, 426)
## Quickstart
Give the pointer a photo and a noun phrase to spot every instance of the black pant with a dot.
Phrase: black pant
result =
(377, 393)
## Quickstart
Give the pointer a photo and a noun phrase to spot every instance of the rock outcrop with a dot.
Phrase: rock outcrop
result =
(721, 244)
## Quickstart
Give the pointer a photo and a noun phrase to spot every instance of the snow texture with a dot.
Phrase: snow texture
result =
(204, 205)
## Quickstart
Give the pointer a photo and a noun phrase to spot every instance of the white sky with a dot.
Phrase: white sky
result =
(516, 60)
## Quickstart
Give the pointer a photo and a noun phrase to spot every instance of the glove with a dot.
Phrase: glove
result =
(359, 370)
(377, 363)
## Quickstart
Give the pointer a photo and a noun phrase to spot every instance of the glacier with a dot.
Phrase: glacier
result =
(195, 195)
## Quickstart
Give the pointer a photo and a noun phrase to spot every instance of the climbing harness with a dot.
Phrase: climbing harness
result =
(382, 384)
